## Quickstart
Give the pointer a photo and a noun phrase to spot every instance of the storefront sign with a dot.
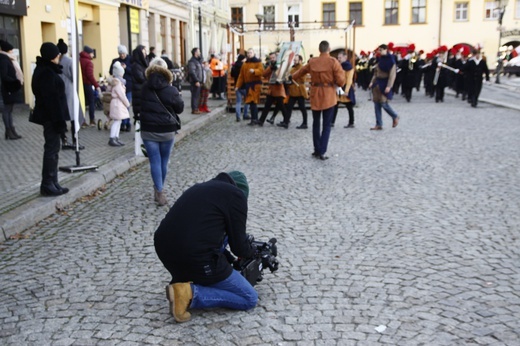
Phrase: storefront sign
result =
(134, 21)
(14, 7)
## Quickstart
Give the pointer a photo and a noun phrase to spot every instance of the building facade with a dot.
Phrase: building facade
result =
(426, 23)
(171, 25)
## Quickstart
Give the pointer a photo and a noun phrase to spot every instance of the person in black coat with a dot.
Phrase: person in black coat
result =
(191, 243)
(161, 104)
(11, 77)
(51, 111)
(126, 62)
(476, 67)
(139, 65)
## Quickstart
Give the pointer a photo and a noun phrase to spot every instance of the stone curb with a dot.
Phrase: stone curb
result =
(37, 209)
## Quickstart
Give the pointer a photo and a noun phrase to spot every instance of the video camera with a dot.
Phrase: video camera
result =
(264, 257)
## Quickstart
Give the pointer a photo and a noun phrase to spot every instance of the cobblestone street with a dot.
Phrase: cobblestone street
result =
(414, 229)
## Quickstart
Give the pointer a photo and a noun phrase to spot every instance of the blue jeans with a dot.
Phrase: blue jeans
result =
(159, 155)
(235, 292)
(387, 108)
(241, 93)
(321, 141)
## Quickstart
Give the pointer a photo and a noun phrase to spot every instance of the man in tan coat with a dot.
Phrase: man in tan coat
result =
(297, 93)
(251, 78)
(326, 75)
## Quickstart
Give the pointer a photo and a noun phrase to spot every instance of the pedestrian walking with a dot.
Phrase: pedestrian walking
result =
(126, 63)
(51, 111)
(475, 69)
(381, 85)
(195, 77)
(250, 78)
(161, 104)
(11, 76)
(326, 75)
(90, 84)
(118, 104)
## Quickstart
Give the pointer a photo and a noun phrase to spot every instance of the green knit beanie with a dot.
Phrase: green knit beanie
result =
(241, 181)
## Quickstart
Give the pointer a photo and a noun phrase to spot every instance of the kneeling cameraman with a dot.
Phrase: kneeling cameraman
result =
(191, 240)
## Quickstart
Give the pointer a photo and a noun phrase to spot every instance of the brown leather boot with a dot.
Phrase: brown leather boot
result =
(182, 296)
(161, 199)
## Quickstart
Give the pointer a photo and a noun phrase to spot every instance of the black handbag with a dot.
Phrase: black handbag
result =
(35, 118)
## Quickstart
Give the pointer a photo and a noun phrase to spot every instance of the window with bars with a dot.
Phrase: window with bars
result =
(293, 15)
(355, 10)
(391, 12)
(418, 11)
(269, 17)
(329, 14)
(461, 11)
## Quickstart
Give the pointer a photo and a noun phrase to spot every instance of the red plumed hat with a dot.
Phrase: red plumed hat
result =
(404, 51)
(411, 48)
(442, 49)
(465, 51)
(362, 53)
(435, 51)
(429, 55)
(390, 45)
(454, 51)
(421, 52)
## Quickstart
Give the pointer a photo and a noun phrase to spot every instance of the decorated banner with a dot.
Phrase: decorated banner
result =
(285, 61)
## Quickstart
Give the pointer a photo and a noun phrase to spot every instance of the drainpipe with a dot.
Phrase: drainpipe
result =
(440, 24)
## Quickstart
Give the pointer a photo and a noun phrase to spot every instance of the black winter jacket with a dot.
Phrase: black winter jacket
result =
(10, 84)
(189, 238)
(154, 117)
(139, 65)
(128, 70)
(49, 91)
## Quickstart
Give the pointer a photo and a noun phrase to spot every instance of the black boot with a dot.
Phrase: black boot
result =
(63, 190)
(49, 176)
(48, 189)
(13, 131)
(9, 134)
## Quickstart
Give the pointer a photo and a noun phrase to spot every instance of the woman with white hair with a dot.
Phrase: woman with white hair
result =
(160, 105)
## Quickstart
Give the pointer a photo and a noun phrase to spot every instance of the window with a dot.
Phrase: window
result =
(418, 11)
(237, 15)
(355, 10)
(269, 17)
(293, 15)
(391, 12)
(517, 7)
(329, 14)
(461, 11)
(491, 9)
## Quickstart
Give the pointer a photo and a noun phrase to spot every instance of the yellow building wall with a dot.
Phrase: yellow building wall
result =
(46, 21)
(440, 27)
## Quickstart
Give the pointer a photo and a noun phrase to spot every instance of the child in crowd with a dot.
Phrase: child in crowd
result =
(119, 103)
(205, 88)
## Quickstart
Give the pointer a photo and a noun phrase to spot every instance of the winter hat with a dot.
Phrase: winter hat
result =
(62, 46)
(6, 46)
(118, 70)
(88, 49)
(159, 62)
(240, 181)
(49, 51)
(121, 49)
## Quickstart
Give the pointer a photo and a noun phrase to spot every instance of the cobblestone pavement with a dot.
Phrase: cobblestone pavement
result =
(414, 229)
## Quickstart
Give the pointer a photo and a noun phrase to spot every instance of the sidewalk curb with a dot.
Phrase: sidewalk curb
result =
(30, 213)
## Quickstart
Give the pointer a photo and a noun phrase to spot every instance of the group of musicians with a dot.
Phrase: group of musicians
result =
(459, 68)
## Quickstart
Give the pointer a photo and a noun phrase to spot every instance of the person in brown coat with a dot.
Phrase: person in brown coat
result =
(326, 75)
(275, 93)
(251, 78)
(297, 93)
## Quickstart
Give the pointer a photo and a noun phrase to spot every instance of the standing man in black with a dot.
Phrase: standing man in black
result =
(476, 67)
(195, 77)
